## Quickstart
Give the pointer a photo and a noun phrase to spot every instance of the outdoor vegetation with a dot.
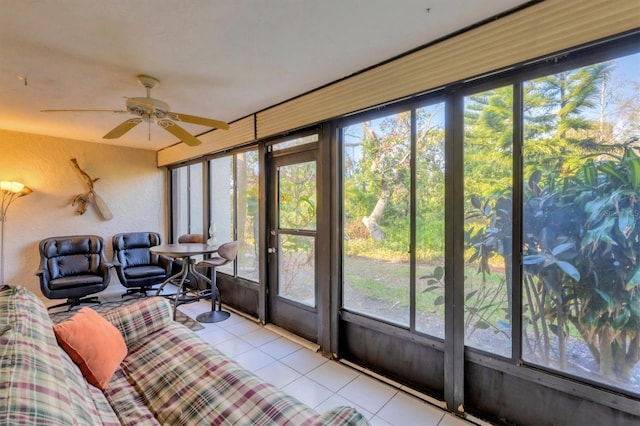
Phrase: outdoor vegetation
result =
(580, 230)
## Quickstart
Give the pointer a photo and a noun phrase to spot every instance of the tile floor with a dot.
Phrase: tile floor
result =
(319, 382)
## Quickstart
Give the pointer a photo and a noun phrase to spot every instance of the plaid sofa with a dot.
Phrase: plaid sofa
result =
(170, 376)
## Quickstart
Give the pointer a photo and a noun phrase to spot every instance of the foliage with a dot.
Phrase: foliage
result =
(483, 304)
(581, 262)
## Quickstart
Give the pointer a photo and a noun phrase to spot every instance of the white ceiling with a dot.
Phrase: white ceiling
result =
(223, 59)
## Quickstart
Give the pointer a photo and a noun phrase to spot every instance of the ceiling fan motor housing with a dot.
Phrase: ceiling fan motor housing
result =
(147, 106)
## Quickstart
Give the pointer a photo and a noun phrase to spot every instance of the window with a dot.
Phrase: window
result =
(290, 143)
(377, 227)
(247, 172)
(221, 201)
(376, 200)
(233, 207)
(488, 181)
(429, 256)
(581, 214)
(233, 196)
(187, 202)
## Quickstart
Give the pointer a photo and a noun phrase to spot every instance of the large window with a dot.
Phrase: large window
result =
(233, 206)
(387, 163)
(574, 287)
(376, 201)
(581, 233)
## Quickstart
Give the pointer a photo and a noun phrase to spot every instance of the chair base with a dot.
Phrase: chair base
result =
(213, 316)
(73, 302)
(139, 292)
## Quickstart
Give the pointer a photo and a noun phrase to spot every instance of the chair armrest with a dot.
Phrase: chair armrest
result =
(105, 267)
(43, 275)
(165, 262)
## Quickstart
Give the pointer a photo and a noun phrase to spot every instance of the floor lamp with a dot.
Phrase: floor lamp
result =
(9, 191)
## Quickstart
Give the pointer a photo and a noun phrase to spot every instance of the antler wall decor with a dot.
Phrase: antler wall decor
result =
(91, 197)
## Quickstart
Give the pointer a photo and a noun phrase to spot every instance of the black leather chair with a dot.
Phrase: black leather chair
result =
(137, 268)
(73, 267)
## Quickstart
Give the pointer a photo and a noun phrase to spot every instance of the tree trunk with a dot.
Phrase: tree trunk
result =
(562, 339)
(372, 222)
(606, 352)
(632, 357)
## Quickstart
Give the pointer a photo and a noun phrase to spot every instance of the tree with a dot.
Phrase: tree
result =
(386, 155)
(582, 252)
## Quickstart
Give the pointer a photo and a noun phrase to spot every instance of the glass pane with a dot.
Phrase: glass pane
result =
(430, 219)
(221, 198)
(488, 180)
(297, 196)
(295, 142)
(247, 214)
(196, 203)
(180, 202)
(581, 233)
(187, 202)
(375, 189)
(296, 279)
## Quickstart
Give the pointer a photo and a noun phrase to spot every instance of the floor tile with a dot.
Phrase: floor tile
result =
(408, 410)
(308, 391)
(242, 327)
(303, 360)
(280, 347)
(452, 420)
(369, 393)
(215, 335)
(254, 359)
(259, 337)
(233, 319)
(336, 400)
(333, 375)
(377, 421)
(234, 347)
(278, 374)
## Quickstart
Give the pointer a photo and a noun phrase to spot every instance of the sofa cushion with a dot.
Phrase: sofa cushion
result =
(138, 320)
(184, 380)
(39, 384)
(129, 405)
(93, 343)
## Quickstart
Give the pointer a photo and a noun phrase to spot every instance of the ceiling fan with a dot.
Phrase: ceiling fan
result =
(149, 109)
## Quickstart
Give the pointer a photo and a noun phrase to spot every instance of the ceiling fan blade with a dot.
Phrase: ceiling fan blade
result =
(179, 132)
(83, 110)
(123, 128)
(209, 122)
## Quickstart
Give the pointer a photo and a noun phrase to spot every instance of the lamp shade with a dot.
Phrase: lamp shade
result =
(14, 187)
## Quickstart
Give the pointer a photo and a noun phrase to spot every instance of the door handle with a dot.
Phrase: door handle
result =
(271, 250)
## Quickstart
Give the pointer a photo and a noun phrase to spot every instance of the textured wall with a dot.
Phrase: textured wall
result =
(130, 184)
